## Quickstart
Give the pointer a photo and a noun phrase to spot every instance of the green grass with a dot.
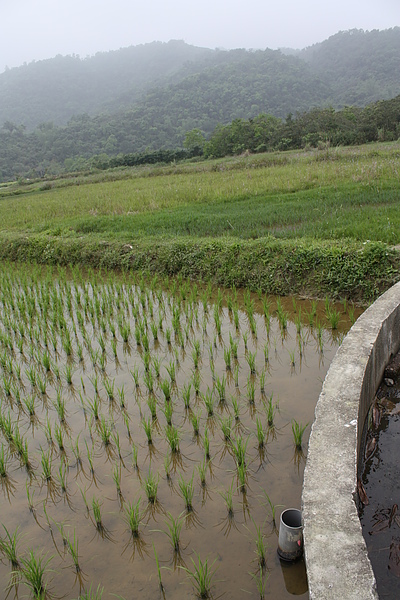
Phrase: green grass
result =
(284, 223)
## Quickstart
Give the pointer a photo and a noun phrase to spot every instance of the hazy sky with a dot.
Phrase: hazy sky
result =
(38, 29)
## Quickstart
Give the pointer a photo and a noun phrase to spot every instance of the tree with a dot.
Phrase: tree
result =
(194, 141)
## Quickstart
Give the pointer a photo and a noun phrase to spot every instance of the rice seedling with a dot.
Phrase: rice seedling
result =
(261, 434)
(109, 387)
(68, 372)
(171, 370)
(148, 429)
(298, 431)
(270, 410)
(261, 581)
(202, 469)
(121, 397)
(233, 346)
(173, 532)
(272, 507)
(135, 376)
(8, 546)
(7, 386)
(236, 376)
(125, 331)
(195, 357)
(150, 486)
(133, 517)
(239, 446)
(281, 314)
(196, 381)
(46, 462)
(31, 374)
(135, 456)
(236, 408)
(201, 577)
(217, 320)
(251, 390)
(166, 389)
(253, 326)
(208, 400)
(251, 361)
(116, 475)
(76, 452)
(96, 510)
(59, 405)
(195, 421)
(42, 384)
(34, 569)
(220, 385)
(226, 428)
(245, 339)
(105, 431)
(173, 437)
(145, 341)
(227, 496)
(29, 403)
(158, 569)
(6, 426)
(333, 316)
(3, 463)
(262, 381)
(157, 366)
(72, 546)
(113, 344)
(152, 404)
(23, 454)
(261, 546)
(241, 471)
(186, 394)
(62, 477)
(187, 491)
(149, 381)
(92, 595)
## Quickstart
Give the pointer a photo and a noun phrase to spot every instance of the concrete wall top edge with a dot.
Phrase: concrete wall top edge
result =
(338, 567)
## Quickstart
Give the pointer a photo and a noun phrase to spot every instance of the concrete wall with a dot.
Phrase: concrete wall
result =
(336, 556)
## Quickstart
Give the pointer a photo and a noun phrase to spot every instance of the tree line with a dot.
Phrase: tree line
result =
(44, 152)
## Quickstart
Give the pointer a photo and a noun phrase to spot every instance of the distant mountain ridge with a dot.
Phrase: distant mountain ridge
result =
(353, 67)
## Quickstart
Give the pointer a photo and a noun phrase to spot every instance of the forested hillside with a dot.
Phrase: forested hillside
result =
(58, 88)
(58, 114)
(360, 67)
(353, 67)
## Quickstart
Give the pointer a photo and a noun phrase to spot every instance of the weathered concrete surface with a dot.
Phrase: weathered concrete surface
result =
(336, 556)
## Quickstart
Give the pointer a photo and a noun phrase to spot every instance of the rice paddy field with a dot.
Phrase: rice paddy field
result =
(152, 430)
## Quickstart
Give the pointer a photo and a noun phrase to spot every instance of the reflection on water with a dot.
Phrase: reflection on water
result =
(130, 405)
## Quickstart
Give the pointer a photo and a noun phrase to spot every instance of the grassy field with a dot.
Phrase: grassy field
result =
(336, 207)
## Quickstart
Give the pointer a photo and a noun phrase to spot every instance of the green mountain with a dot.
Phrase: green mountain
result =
(59, 88)
(360, 67)
(58, 112)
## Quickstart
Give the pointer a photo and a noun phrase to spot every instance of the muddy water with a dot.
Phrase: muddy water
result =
(380, 476)
(292, 359)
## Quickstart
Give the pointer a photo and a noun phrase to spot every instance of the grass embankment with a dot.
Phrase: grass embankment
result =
(320, 222)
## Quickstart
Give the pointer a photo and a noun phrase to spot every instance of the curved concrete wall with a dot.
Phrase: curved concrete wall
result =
(336, 556)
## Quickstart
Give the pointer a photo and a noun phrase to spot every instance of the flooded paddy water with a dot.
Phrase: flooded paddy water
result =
(379, 475)
(147, 431)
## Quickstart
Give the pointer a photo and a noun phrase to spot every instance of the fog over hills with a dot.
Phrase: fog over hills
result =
(58, 113)
(353, 67)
